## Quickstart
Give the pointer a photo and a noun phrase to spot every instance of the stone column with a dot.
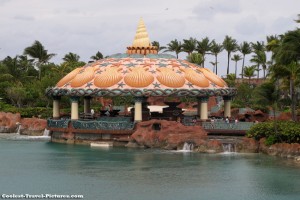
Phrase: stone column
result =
(138, 108)
(87, 104)
(203, 108)
(227, 106)
(74, 107)
(56, 100)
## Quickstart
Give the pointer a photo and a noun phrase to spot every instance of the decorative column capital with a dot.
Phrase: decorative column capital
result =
(74, 98)
(227, 98)
(87, 97)
(56, 98)
(140, 99)
(203, 99)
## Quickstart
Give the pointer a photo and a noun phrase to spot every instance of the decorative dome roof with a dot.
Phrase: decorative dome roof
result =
(151, 75)
(142, 74)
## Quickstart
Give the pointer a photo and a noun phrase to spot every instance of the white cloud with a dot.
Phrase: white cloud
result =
(109, 26)
(206, 10)
(249, 26)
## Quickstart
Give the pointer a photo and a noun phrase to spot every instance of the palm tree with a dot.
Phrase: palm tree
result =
(214, 65)
(258, 46)
(203, 46)
(245, 49)
(189, 45)
(230, 45)
(289, 49)
(71, 57)
(174, 46)
(215, 50)
(291, 73)
(230, 80)
(25, 63)
(196, 58)
(156, 43)
(267, 94)
(249, 72)
(236, 58)
(38, 52)
(13, 68)
(260, 59)
(287, 57)
(98, 56)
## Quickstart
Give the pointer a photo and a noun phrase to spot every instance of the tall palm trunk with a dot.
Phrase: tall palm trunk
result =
(228, 57)
(243, 66)
(38, 64)
(216, 64)
(294, 100)
(258, 71)
(235, 69)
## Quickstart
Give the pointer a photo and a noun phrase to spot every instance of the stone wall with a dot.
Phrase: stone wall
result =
(168, 135)
(8, 122)
(284, 150)
(33, 126)
(29, 126)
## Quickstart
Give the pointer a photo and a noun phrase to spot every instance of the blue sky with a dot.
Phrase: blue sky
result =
(108, 26)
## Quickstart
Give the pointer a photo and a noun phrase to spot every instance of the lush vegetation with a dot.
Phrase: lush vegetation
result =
(276, 131)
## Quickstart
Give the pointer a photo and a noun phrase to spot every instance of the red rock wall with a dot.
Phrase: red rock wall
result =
(281, 149)
(29, 126)
(171, 136)
(8, 122)
(33, 126)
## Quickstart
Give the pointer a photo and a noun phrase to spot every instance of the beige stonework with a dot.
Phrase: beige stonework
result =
(74, 110)
(138, 111)
(56, 109)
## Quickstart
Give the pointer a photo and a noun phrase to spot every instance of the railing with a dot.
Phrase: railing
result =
(102, 125)
(227, 126)
(58, 123)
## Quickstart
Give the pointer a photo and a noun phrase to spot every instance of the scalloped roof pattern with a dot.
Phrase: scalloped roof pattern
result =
(123, 71)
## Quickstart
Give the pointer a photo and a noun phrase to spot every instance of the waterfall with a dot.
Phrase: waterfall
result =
(18, 130)
(188, 146)
(46, 132)
(228, 147)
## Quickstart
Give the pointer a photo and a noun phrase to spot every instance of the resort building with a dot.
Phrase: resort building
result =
(140, 73)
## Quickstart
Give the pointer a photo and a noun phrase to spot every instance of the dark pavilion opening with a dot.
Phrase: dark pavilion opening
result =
(156, 126)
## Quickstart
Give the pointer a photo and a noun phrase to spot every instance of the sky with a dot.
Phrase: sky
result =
(87, 26)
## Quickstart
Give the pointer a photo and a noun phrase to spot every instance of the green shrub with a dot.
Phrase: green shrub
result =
(287, 131)
(41, 112)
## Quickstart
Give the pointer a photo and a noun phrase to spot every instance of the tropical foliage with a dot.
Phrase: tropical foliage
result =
(286, 131)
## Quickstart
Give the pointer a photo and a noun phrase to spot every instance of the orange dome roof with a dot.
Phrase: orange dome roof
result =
(141, 72)
(150, 75)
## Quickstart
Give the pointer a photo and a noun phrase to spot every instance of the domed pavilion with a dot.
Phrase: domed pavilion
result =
(140, 72)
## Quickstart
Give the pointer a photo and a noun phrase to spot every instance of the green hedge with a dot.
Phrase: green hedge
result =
(41, 112)
(287, 131)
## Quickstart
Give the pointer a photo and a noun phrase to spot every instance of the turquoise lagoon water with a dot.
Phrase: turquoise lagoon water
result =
(37, 167)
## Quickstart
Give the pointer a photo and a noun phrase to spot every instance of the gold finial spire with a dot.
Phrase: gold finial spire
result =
(141, 43)
(141, 38)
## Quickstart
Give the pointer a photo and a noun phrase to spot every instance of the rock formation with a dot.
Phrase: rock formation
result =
(29, 126)
(168, 134)
(8, 122)
(33, 126)
(284, 150)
